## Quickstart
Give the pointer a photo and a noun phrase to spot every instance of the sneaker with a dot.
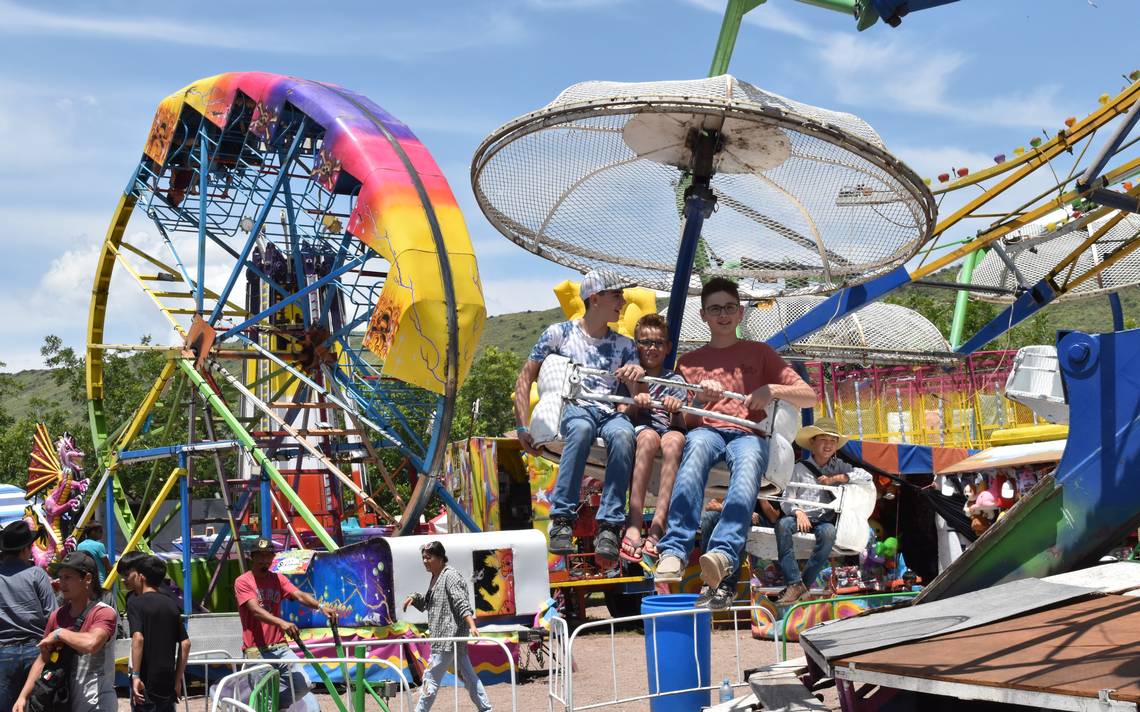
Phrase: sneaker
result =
(606, 543)
(791, 594)
(669, 569)
(714, 567)
(704, 597)
(561, 534)
(722, 598)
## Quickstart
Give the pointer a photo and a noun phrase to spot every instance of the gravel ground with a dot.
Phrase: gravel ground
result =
(601, 665)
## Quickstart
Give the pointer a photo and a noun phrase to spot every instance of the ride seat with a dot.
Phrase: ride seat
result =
(854, 505)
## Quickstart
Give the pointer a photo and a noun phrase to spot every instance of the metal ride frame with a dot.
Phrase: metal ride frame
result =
(561, 676)
(1091, 184)
(279, 374)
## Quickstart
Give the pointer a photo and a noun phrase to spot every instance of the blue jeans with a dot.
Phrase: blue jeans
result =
(294, 683)
(437, 666)
(580, 425)
(824, 540)
(746, 455)
(15, 662)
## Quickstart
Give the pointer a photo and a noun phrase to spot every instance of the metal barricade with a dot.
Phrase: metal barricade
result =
(565, 665)
(560, 666)
(259, 665)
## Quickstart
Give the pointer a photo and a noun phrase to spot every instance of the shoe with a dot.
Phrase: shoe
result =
(669, 569)
(606, 543)
(714, 567)
(722, 598)
(704, 597)
(561, 534)
(791, 594)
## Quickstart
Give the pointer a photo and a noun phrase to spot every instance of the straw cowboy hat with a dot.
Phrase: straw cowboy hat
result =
(822, 426)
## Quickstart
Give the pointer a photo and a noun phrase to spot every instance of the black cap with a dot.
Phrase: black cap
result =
(262, 544)
(79, 561)
(16, 536)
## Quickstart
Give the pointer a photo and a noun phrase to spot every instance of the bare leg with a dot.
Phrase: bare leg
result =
(672, 444)
(648, 444)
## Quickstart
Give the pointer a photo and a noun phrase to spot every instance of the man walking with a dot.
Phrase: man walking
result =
(157, 633)
(259, 594)
(26, 601)
(83, 627)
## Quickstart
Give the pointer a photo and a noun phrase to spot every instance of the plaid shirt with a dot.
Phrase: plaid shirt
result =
(448, 603)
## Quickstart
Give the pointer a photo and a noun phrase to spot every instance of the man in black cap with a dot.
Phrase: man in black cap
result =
(87, 627)
(26, 600)
(259, 594)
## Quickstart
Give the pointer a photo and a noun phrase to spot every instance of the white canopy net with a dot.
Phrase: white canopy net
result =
(808, 200)
(1036, 249)
(878, 333)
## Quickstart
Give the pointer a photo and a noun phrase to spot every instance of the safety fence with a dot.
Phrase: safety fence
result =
(563, 694)
(247, 687)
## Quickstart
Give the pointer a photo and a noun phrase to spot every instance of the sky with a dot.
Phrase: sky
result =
(79, 83)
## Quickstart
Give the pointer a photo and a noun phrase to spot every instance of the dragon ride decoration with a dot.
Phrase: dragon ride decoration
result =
(57, 470)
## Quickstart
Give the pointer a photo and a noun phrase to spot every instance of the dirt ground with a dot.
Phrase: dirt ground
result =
(606, 669)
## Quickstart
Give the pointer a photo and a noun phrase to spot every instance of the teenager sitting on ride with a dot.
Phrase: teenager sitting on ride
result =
(588, 342)
(658, 431)
(726, 363)
(822, 440)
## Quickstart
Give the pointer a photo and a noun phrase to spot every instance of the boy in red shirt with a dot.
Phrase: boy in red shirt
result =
(259, 594)
(726, 363)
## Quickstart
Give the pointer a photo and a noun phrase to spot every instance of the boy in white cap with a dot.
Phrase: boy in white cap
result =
(588, 342)
(822, 440)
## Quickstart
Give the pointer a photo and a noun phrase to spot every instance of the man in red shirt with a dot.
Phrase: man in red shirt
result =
(726, 363)
(259, 594)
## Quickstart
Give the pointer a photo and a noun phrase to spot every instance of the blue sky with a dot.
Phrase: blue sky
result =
(79, 82)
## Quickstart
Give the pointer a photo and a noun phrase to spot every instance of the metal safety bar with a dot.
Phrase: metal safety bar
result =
(564, 671)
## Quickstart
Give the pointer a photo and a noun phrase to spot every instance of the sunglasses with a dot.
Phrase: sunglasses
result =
(652, 343)
(725, 309)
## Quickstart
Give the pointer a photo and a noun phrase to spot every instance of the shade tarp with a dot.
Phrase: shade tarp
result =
(1049, 451)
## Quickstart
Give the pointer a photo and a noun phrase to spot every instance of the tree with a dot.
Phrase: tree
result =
(491, 385)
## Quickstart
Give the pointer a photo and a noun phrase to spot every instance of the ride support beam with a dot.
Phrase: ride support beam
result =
(1025, 306)
(258, 223)
(268, 469)
(843, 303)
(144, 523)
(962, 298)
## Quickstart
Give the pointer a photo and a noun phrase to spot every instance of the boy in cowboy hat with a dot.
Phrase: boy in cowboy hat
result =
(26, 600)
(821, 439)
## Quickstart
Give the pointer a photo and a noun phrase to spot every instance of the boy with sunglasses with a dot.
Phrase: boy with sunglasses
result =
(726, 363)
(657, 431)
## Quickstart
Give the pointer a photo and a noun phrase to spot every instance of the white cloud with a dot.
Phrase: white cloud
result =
(903, 74)
(449, 31)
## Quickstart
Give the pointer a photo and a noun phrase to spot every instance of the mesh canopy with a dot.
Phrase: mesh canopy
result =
(808, 200)
(1035, 251)
(877, 333)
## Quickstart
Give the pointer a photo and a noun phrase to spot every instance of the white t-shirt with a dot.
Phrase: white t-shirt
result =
(608, 353)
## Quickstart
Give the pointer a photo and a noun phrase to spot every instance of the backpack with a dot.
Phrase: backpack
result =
(52, 690)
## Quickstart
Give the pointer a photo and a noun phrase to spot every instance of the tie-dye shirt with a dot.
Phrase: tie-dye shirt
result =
(608, 353)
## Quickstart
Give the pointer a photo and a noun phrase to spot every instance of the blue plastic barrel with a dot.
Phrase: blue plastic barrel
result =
(671, 655)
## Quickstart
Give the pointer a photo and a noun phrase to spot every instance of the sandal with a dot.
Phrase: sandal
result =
(649, 547)
(631, 549)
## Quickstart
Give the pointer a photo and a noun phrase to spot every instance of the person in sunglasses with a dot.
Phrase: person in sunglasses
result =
(726, 363)
(658, 431)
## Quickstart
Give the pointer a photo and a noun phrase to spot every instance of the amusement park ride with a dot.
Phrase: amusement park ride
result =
(319, 274)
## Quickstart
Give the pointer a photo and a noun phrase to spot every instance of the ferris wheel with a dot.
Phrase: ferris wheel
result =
(308, 261)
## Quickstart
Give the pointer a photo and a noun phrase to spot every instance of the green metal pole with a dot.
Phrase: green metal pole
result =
(847, 7)
(962, 301)
(729, 29)
(258, 455)
(358, 691)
